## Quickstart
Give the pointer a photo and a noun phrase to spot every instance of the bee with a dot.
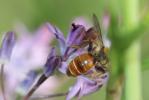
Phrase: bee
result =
(93, 63)
(96, 57)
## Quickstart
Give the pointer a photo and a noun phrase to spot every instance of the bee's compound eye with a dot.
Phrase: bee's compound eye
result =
(106, 50)
(103, 58)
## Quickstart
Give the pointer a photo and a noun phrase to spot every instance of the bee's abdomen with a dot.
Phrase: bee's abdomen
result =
(80, 65)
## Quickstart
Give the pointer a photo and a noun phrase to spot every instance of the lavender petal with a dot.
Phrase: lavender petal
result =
(53, 61)
(75, 38)
(63, 68)
(76, 35)
(85, 86)
(89, 87)
(59, 36)
(77, 88)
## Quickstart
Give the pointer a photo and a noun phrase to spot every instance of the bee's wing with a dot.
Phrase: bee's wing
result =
(97, 29)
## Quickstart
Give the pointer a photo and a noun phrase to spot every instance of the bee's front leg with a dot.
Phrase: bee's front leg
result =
(102, 79)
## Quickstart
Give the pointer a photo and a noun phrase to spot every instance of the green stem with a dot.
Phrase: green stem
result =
(145, 64)
(132, 73)
(130, 12)
(132, 55)
(2, 82)
(127, 60)
(49, 96)
(42, 79)
(115, 84)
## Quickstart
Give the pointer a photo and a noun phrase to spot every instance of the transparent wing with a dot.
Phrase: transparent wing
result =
(97, 28)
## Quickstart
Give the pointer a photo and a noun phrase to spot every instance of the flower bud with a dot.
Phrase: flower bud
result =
(7, 45)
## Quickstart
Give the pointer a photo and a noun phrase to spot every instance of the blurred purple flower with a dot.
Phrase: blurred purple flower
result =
(106, 24)
(106, 21)
(7, 45)
(29, 53)
(27, 82)
(5, 54)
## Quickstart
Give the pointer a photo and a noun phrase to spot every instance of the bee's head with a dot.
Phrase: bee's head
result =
(101, 56)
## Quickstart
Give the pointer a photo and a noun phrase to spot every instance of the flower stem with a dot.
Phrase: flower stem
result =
(116, 81)
(49, 96)
(132, 54)
(132, 73)
(35, 87)
(2, 82)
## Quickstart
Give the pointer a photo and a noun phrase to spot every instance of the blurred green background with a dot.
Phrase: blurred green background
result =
(34, 13)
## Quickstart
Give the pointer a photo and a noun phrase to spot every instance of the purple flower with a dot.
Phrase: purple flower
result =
(59, 36)
(52, 63)
(7, 45)
(75, 37)
(29, 53)
(85, 86)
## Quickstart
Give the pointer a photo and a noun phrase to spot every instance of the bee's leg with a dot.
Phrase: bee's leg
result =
(93, 41)
(90, 47)
(75, 46)
(102, 77)
(83, 44)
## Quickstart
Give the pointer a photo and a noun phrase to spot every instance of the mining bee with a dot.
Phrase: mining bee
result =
(95, 60)
(90, 67)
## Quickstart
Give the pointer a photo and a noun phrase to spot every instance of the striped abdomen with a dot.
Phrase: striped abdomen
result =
(80, 65)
